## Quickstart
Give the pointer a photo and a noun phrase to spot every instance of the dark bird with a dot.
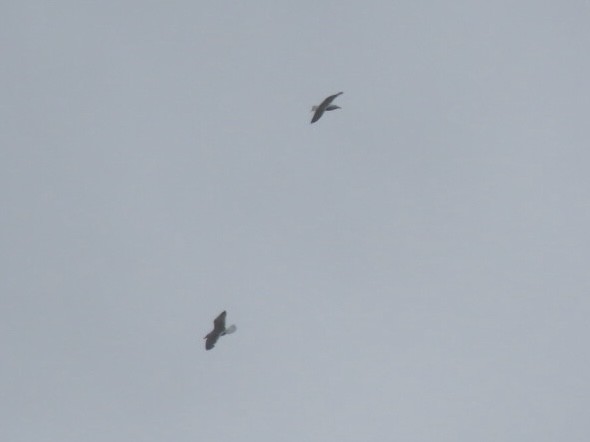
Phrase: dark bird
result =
(218, 330)
(326, 105)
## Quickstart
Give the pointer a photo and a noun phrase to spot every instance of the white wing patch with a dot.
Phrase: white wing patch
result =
(230, 329)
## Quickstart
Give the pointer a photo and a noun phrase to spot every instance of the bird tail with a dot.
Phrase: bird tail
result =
(230, 329)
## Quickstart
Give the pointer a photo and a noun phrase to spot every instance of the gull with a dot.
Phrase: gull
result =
(324, 106)
(218, 330)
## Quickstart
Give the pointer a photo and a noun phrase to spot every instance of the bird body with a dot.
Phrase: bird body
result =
(325, 105)
(219, 330)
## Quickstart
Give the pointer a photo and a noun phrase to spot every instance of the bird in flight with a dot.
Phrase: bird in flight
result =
(219, 329)
(325, 105)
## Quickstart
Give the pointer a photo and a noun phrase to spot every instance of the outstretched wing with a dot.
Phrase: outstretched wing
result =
(211, 339)
(322, 107)
(219, 322)
(318, 114)
(328, 100)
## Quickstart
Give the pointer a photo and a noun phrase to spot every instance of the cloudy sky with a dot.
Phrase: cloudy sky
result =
(413, 267)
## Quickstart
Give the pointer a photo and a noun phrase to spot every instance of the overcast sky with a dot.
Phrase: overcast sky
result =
(412, 267)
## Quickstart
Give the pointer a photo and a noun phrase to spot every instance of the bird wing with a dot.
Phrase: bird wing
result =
(328, 100)
(219, 322)
(322, 107)
(317, 114)
(210, 340)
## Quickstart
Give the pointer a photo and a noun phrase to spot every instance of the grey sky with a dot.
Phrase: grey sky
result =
(413, 267)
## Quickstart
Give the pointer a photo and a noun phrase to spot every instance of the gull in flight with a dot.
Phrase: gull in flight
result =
(325, 105)
(218, 330)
